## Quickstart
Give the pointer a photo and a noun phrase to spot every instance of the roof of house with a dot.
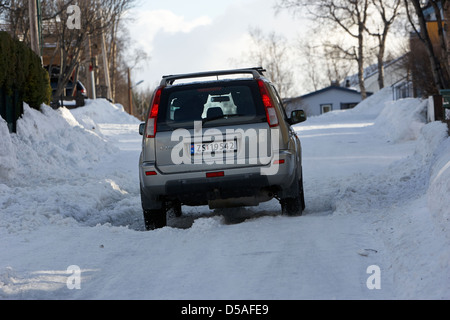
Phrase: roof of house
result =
(332, 87)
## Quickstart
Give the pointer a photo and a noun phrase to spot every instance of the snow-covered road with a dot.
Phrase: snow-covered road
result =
(376, 224)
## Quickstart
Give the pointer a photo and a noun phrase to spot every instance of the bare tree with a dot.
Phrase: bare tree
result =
(440, 74)
(388, 11)
(17, 19)
(97, 17)
(350, 16)
(312, 56)
(338, 64)
(4, 6)
(271, 51)
(321, 63)
(444, 54)
(142, 100)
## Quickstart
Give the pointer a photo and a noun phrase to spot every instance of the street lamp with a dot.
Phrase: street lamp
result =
(130, 94)
(140, 82)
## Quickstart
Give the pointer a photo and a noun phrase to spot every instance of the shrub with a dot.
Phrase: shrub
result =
(21, 71)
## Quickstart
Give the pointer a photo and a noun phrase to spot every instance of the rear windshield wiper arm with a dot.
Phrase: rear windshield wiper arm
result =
(224, 116)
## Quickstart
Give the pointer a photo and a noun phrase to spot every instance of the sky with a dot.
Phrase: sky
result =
(182, 36)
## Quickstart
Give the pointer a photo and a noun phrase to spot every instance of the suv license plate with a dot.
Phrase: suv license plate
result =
(201, 148)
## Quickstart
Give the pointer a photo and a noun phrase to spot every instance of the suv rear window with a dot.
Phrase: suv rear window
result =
(215, 104)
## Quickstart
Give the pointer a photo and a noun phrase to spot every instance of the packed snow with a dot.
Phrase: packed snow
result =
(377, 223)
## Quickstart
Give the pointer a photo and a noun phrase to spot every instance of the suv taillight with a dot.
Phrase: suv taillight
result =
(271, 113)
(153, 114)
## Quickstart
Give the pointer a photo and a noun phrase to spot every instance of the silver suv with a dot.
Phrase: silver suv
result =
(221, 139)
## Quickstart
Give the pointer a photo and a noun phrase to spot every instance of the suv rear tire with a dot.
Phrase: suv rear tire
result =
(294, 206)
(155, 219)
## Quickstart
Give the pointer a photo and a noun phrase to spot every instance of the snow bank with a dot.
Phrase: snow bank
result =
(432, 157)
(426, 171)
(429, 166)
(53, 161)
(409, 198)
(438, 194)
(53, 144)
(402, 120)
(7, 152)
(101, 111)
(368, 109)
(419, 244)
(373, 105)
(397, 121)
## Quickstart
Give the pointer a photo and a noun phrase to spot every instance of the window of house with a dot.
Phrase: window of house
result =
(345, 106)
(326, 108)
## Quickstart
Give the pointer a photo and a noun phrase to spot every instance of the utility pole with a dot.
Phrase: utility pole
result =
(106, 68)
(105, 60)
(90, 69)
(34, 28)
(130, 94)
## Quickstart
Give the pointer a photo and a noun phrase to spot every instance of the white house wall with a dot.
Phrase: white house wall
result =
(312, 104)
(393, 73)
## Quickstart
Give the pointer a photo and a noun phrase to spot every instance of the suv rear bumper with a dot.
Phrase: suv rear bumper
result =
(195, 188)
(200, 191)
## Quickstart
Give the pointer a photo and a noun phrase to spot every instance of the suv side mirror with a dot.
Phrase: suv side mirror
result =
(142, 129)
(298, 116)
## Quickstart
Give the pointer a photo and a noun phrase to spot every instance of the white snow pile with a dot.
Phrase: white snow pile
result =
(53, 143)
(7, 152)
(413, 225)
(439, 189)
(49, 144)
(101, 111)
(427, 170)
(402, 120)
(368, 109)
(47, 168)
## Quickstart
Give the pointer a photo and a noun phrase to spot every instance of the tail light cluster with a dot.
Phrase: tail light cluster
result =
(150, 132)
(271, 113)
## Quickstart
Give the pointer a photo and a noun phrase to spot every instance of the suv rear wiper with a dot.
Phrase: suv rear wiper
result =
(224, 116)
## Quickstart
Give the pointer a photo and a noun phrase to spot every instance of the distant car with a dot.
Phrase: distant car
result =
(80, 92)
(81, 89)
(222, 143)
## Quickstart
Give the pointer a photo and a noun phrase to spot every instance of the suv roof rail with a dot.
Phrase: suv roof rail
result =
(256, 72)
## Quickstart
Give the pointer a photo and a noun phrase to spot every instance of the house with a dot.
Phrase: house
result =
(325, 100)
(343, 96)
(396, 76)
